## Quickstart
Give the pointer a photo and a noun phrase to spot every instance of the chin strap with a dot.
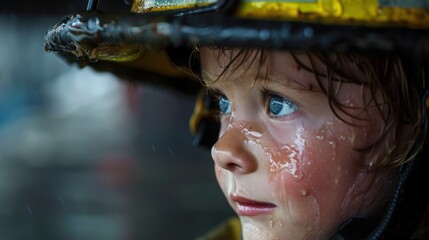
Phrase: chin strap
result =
(354, 229)
(362, 228)
(405, 210)
(407, 205)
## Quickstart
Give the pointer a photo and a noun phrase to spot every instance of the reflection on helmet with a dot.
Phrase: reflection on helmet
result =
(141, 6)
(408, 13)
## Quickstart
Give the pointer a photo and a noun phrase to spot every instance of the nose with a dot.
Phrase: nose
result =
(232, 153)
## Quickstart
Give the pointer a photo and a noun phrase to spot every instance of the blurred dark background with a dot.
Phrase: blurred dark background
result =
(84, 155)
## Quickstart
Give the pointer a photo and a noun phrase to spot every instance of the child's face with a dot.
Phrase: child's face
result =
(286, 163)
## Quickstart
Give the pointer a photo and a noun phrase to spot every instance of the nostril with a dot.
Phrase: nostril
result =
(241, 164)
(233, 167)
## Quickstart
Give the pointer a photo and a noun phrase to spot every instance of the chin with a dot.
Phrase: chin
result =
(257, 229)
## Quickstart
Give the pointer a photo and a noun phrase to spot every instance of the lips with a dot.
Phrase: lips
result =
(249, 207)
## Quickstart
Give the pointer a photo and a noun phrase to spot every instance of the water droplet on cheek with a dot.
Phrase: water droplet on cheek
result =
(298, 175)
(320, 137)
(342, 138)
(272, 223)
(284, 160)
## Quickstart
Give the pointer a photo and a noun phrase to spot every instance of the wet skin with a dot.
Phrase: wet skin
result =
(286, 163)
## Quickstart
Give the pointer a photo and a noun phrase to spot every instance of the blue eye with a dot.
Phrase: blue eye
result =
(280, 106)
(224, 105)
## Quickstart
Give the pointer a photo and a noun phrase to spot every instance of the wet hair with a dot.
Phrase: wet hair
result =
(395, 84)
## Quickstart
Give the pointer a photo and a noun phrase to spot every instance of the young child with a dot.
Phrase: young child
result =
(309, 140)
(312, 145)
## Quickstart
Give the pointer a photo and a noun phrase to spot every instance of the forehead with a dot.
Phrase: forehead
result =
(222, 67)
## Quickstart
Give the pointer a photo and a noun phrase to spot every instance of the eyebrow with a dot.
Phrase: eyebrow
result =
(214, 83)
(286, 79)
(295, 84)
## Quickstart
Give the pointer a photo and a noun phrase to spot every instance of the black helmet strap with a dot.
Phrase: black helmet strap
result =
(407, 205)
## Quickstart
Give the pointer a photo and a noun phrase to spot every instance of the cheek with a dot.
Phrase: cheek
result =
(313, 173)
(311, 154)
